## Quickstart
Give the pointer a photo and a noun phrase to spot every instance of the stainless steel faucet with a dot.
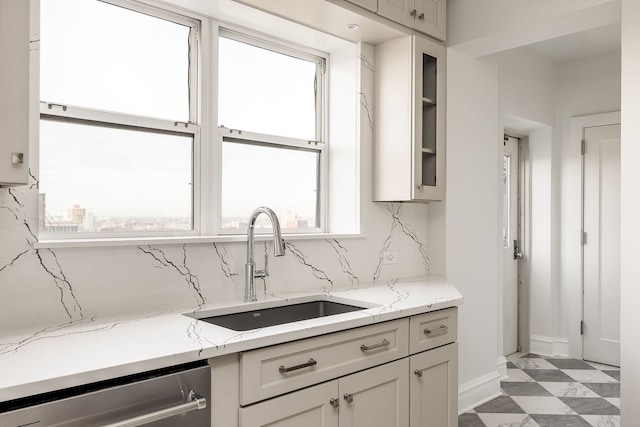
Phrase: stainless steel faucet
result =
(250, 267)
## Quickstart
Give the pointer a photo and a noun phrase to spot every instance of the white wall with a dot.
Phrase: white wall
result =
(630, 204)
(472, 216)
(586, 86)
(527, 87)
(484, 27)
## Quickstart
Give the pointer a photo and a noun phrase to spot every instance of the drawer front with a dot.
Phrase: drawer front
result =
(279, 369)
(433, 329)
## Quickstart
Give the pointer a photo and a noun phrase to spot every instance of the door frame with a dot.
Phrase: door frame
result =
(524, 238)
(575, 305)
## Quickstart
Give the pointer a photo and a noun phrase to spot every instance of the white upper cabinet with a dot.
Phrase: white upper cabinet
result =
(371, 5)
(427, 16)
(14, 92)
(410, 120)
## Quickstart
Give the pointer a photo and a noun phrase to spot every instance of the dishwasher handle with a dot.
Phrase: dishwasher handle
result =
(194, 402)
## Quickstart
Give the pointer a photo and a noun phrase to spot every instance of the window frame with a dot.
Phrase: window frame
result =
(203, 125)
(320, 144)
(52, 110)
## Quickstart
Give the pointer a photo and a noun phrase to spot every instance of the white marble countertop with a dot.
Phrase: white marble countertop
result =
(92, 350)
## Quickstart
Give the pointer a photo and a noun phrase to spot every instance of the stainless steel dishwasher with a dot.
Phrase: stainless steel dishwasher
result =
(170, 397)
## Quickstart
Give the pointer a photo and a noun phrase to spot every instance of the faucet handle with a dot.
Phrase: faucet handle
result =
(261, 274)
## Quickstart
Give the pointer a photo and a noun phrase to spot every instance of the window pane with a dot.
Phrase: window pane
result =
(107, 179)
(100, 56)
(283, 179)
(506, 199)
(266, 92)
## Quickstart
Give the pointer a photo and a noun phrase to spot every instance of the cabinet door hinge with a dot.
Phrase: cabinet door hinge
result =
(583, 238)
(583, 147)
(582, 327)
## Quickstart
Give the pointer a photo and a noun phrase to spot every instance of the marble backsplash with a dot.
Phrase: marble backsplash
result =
(41, 287)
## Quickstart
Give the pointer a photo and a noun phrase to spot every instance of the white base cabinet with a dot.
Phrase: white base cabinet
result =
(434, 387)
(375, 397)
(401, 373)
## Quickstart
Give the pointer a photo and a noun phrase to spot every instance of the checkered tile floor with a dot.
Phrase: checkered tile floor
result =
(552, 392)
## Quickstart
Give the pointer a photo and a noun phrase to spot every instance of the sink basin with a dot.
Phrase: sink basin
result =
(261, 318)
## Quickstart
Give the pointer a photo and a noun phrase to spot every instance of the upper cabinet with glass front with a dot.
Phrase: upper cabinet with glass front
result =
(427, 16)
(410, 120)
(14, 92)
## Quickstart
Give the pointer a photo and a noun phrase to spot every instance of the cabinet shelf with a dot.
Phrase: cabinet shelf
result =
(428, 101)
(428, 151)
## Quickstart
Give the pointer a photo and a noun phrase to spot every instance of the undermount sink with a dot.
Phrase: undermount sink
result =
(271, 316)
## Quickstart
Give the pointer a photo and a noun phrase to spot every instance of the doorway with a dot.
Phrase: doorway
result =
(511, 246)
(601, 244)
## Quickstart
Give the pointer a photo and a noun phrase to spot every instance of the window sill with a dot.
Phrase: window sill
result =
(181, 240)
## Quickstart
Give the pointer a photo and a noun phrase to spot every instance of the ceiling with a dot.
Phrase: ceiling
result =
(581, 45)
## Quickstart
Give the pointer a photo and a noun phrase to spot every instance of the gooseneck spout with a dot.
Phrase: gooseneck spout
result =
(278, 250)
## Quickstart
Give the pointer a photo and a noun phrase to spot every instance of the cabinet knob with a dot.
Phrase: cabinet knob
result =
(421, 17)
(348, 397)
(418, 373)
(413, 12)
(17, 158)
(419, 186)
(334, 401)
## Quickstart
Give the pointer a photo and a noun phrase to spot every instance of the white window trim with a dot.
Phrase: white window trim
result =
(320, 143)
(207, 146)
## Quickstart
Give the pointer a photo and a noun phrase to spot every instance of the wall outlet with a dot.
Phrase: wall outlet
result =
(389, 257)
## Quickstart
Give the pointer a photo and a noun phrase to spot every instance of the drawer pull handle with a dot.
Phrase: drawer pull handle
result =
(310, 362)
(442, 329)
(348, 397)
(384, 343)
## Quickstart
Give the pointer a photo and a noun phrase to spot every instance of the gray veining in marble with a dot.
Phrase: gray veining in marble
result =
(342, 253)
(364, 102)
(181, 267)
(304, 260)
(224, 256)
(53, 268)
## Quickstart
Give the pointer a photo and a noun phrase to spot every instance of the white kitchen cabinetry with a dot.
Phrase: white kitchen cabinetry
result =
(410, 120)
(434, 387)
(400, 373)
(311, 407)
(371, 5)
(377, 396)
(427, 16)
(14, 92)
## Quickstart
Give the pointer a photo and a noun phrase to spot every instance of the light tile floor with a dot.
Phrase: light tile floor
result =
(552, 392)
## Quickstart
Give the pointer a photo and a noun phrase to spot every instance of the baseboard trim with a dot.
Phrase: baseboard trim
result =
(501, 366)
(549, 346)
(479, 391)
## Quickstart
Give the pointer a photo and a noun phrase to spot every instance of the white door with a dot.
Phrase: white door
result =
(601, 249)
(509, 246)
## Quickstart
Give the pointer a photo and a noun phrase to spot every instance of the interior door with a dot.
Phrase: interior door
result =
(510, 251)
(601, 244)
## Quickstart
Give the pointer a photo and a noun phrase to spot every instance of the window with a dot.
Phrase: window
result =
(270, 115)
(117, 133)
(128, 147)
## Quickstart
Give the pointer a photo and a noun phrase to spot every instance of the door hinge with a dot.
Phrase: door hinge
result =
(583, 147)
(582, 327)
(583, 238)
